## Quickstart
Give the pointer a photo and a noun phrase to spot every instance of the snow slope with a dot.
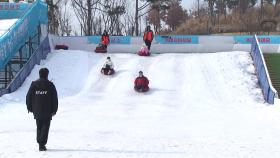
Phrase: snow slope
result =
(199, 105)
(5, 25)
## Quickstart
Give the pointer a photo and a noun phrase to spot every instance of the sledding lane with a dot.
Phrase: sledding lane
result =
(199, 105)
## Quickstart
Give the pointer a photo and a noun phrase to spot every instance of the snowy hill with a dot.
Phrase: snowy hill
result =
(199, 105)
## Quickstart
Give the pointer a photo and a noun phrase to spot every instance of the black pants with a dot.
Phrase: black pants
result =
(140, 88)
(43, 127)
(148, 44)
(104, 46)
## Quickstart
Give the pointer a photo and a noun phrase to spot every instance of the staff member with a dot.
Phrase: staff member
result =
(105, 39)
(148, 37)
(42, 101)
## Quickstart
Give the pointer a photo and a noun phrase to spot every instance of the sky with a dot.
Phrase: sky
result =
(188, 3)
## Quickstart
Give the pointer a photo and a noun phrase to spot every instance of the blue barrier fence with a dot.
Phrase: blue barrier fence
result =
(21, 31)
(264, 79)
(37, 56)
(188, 39)
(160, 39)
(12, 10)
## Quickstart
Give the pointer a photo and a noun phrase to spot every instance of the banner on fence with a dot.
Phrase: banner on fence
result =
(113, 39)
(12, 10)
(177, 39)
(261, 39)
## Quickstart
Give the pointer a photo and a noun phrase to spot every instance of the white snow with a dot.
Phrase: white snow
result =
(5, 25)
(199, 105)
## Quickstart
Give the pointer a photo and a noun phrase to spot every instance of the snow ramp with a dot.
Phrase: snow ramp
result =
(191, 75)
(199, 105)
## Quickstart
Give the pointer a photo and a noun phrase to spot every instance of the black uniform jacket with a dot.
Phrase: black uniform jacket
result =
(41, 99)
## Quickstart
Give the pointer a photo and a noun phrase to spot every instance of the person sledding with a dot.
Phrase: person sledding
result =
(144, 51)
(108, 67)
(141, 83)
(148, 37)
(105, 40)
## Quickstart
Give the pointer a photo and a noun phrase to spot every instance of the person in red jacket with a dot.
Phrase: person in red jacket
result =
(141, 83)
(148, 37)
(105, 40)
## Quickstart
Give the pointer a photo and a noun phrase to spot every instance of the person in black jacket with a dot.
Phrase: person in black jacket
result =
(42, 101)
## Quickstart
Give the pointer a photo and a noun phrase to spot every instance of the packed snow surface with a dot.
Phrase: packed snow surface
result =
(5, 25)
(199, 105)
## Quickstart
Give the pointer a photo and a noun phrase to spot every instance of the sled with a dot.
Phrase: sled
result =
(106, 71)
(144, 53)
(61, 46)
(100, 49)
(141, 90)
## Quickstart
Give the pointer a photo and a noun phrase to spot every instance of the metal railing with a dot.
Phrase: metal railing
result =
(21, 57)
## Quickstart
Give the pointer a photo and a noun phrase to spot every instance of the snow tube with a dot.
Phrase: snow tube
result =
(61, 46)
(142, 89)
(143, 53)
(106, 71)
(100, 49)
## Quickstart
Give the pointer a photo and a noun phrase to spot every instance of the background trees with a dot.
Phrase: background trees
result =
(233, 16)
(123, 17)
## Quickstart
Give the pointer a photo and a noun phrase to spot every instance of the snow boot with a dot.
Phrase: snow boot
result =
(42, 148)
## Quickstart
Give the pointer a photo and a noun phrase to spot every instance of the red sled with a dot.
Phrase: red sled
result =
(100, 49)
(107, 71)
(141, 90)
(61, 46)
(144, 53)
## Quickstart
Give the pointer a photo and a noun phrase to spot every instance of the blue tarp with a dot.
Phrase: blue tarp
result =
(12, 10)
(20, 32)
(37, 56)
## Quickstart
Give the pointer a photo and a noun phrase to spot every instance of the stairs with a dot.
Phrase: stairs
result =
(273, 66)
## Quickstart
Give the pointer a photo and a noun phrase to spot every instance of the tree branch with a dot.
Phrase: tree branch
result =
(144, 6)
(145, 13)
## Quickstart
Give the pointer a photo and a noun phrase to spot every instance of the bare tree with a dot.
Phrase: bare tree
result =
(85, 11)
(52, 12)
(129, 25)
(198, 5)
(110, 15)
(94, 15)
(116, 10)
(64, 19)
(175, 16)
(154, 19)
(138, 9)
(211, 4)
